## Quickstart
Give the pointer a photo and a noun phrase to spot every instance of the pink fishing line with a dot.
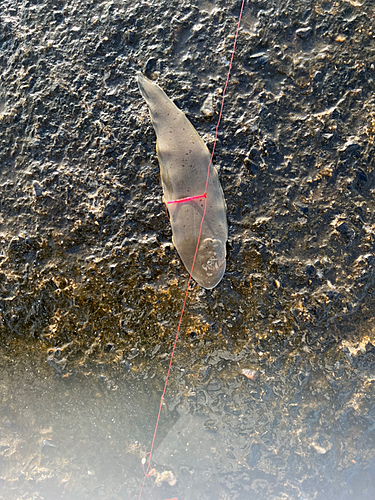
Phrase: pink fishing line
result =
(190, 198)
(195, 254)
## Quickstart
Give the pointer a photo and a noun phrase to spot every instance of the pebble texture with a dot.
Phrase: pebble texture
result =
(90, 283)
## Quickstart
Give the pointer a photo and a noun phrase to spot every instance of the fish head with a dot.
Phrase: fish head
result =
(146, 87)
(210, 263)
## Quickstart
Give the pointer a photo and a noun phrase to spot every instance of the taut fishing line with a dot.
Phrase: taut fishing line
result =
(149, 454)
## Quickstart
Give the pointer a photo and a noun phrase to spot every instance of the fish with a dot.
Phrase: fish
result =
(184, 161)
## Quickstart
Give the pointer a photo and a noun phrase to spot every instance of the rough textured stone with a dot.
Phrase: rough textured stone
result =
(86, 260)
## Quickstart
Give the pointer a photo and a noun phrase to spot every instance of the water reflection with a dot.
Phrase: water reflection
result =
(227, 436)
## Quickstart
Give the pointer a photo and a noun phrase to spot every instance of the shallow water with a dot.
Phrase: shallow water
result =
(292, 430)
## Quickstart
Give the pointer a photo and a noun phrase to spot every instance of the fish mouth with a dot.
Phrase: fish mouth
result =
(143, 83)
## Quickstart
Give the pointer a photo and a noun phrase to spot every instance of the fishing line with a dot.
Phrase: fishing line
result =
(149, 454)
(190, 198)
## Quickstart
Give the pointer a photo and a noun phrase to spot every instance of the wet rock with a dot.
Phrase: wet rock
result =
(254, 456)
(81, 204)
(150, 67)
(57, 365)
(214, 385)
(38, 190)
(108, 348)
(304, 32)
(207, 108)
(259, 59)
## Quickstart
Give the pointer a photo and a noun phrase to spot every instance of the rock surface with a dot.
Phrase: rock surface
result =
(92, 287)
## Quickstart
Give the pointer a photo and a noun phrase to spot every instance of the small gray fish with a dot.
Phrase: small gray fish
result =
(184, 160)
